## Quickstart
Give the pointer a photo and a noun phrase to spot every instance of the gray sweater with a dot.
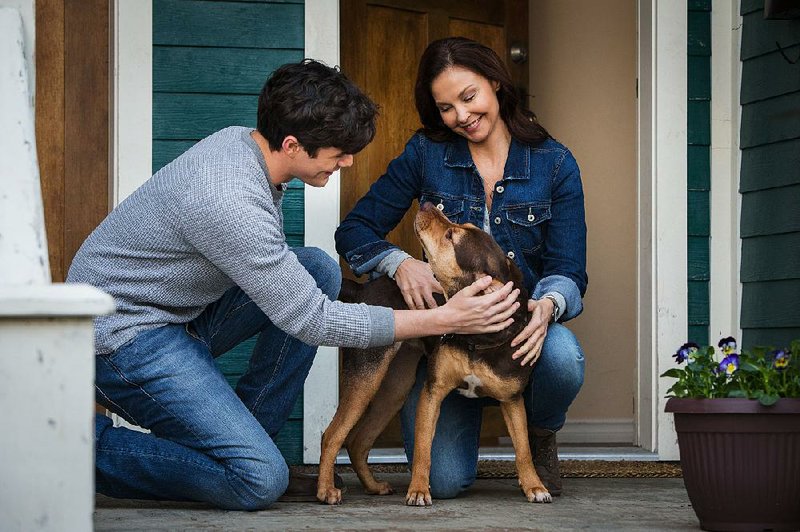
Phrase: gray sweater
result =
(207, 221)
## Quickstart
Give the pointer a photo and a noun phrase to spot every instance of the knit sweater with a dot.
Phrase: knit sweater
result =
(209, 220)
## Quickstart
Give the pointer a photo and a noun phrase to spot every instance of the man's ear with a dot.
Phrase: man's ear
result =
(291, 146)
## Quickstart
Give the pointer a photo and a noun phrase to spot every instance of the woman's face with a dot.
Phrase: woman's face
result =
(467, 103)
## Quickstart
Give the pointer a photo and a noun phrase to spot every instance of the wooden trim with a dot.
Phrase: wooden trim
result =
(50, 125)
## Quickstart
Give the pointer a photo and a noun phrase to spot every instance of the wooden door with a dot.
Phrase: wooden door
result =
(382, 41)
(72, 122)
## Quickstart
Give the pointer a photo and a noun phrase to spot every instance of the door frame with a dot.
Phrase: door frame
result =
(662, 314)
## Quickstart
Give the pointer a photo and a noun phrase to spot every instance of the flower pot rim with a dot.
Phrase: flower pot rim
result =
(730, 405)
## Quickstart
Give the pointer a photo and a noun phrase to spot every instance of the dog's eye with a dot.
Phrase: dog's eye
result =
(449, 234)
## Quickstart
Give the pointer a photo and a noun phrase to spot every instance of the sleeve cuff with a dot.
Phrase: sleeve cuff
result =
(382, 319)
(389, 264)
(562, 303)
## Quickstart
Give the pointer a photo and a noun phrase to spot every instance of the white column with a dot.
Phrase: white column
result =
(725, 249)
(663, 299)
(321, 392)
(23, 240)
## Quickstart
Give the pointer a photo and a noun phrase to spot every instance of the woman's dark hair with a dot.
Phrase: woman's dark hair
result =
(466, 53)
(318, 105)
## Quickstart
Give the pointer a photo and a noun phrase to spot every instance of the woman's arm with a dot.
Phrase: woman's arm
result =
(361, 237)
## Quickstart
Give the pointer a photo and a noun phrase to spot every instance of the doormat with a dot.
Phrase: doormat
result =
(569, 469)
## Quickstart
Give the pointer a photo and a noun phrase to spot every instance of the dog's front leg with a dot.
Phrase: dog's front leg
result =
(430, 401)
(517, 424)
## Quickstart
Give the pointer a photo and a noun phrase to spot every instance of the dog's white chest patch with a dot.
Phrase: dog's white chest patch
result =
(472, 382)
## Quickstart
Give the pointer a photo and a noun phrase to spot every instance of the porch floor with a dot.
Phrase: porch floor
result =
(587, 504)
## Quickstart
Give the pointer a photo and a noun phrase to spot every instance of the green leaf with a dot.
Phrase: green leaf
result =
(748, 367)
(738, 393)
(768, 399)
(675, 373)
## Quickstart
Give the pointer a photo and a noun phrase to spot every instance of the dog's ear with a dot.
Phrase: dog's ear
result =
(494, 286)
(516, 275)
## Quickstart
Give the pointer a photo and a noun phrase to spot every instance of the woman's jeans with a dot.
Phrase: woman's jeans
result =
(208, 442)
(557, 378)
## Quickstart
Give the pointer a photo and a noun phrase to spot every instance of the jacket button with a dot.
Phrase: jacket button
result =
(497, 220)
(531, 217)
(440, 206)
(510, 254)
(500, 189)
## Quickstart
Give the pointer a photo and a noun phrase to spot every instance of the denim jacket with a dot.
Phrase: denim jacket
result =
(537, 214)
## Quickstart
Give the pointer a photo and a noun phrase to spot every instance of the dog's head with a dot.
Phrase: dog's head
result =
(461, 254)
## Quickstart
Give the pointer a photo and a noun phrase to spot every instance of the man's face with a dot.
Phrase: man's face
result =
(315, 171)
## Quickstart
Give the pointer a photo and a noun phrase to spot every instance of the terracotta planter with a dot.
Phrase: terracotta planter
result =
(740, 461)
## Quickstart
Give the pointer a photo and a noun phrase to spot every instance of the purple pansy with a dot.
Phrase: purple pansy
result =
(727, 345)
(729, 364)
(686, 350)
(780, 358)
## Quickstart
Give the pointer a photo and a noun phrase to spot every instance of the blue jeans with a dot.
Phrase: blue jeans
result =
(557, 378)
(208, 442)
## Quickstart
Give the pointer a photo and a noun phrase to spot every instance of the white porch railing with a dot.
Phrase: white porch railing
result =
(46, 335)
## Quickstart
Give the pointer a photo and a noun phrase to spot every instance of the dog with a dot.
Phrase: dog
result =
(477, 365)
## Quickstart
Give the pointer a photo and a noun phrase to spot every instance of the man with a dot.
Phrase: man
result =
(197, 262)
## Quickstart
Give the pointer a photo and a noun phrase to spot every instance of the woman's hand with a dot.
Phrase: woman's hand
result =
(417, 283)
(475, 309)
(532, 336)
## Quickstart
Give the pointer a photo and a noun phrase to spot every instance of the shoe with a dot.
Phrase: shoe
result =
(303, 487)
(545, 458)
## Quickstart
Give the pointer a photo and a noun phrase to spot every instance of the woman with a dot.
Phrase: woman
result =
(482, 158)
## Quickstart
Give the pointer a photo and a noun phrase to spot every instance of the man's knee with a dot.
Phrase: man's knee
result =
(256, 484)
(448, 482)
(324, 269)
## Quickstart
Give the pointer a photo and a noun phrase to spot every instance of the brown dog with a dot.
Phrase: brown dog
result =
(479, 365)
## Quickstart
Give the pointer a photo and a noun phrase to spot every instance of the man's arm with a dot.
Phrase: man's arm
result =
(467, 312)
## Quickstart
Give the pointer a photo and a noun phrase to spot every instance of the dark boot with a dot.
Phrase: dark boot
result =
(545, 458)
(303, 487)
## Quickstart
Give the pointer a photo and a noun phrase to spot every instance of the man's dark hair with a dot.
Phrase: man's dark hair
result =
(318, 105)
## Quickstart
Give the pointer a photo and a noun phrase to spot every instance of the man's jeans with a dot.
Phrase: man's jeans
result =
(557, 378)
(208, 443)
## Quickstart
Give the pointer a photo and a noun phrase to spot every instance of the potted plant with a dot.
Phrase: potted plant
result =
(737, 416)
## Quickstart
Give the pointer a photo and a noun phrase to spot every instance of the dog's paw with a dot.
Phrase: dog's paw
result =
(380, 488)
(329, 496)
(418, 497)
(537, 494)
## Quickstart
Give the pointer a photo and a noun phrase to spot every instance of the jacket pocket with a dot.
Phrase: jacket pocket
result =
(453, 208)
(526, 225)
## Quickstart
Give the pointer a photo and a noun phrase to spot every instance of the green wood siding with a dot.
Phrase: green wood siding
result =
(699, 167)
(770, 179)
(210, 61)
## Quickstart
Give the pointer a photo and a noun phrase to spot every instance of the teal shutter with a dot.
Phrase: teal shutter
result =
(770, 178)
(699, 167)
(210, 61)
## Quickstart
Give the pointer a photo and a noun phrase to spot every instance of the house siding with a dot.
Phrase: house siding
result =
(770, 178)
(699, 167)
(210, 61)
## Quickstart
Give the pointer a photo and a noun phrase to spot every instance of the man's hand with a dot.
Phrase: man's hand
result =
(472, 310)
(417, 284)
(532, 336)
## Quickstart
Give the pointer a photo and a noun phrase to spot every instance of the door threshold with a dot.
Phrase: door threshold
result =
(396, 455)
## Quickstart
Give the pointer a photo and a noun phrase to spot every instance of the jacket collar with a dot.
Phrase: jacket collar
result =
(517, 165)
